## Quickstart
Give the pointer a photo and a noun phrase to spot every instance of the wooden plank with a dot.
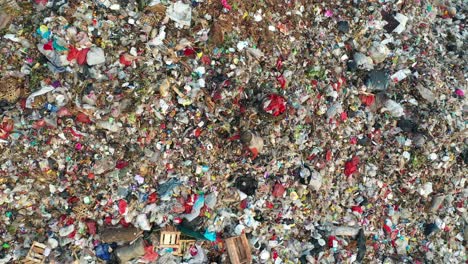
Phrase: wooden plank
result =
(38, 246)
(232, 251)
(170, 239)
(39, 250)
(239, 250)
(167, 239)
(247, 251)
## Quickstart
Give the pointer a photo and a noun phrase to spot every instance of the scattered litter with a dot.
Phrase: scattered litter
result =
(233, 131)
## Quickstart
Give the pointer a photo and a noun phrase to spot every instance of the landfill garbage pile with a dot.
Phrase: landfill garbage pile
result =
(172, 131)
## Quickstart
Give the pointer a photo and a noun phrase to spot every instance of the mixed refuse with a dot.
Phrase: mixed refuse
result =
(231, 131)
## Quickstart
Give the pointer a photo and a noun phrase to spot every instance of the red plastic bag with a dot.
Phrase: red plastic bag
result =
(275, 104)
(282, 81)
(152, 197)
(6, 128)
(83, 118)
(244, 203)
(351, 166)
(344, 116)
(121, 164)
(357, 209)
(206, 60)
(278, 190)
(331, 239)
(189, 52)
(91, 225)
(72, 53)
(387, 229)
(197, 132)
(150, 255)
(48, 46)
(269, 205)
(328, 155)
(108, 220)
(3, 134)
(279, 64)
(124, 223)
(126, 59)
(122, 206)
(367, 100)
(81, 58)
(226, 5)
(63, 112)
(275, 254)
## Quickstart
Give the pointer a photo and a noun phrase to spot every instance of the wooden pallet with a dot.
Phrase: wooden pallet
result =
(238, 249)
(184, 246)
(170, 238)
(35, 254)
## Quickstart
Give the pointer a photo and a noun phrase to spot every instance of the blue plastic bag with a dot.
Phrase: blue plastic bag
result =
(102, 251)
